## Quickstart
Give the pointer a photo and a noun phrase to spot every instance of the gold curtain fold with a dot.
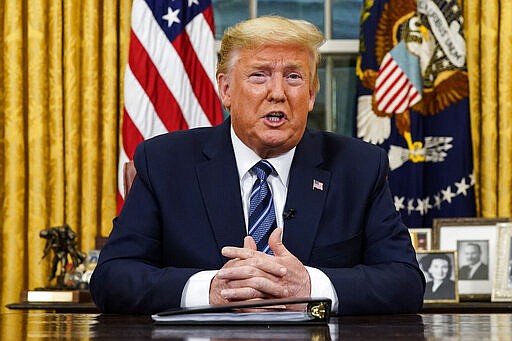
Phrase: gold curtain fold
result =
(13, 163)
(505, 109)
(61, 70)
(489, 41)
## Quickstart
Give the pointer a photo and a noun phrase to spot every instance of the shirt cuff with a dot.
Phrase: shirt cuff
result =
(321, 286)
(197, 289)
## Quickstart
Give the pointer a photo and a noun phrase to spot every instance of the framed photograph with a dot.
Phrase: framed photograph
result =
(502, 288)
(440, 270)
(421, 238)
(474, 239)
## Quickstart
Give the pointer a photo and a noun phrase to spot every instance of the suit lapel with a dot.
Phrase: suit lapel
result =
(304, 197)
(220, 187)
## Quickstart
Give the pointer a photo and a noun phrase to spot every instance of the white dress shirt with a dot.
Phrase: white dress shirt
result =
(197, 289)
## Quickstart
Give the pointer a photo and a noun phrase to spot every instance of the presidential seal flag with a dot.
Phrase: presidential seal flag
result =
(413, 102)
(170, 77)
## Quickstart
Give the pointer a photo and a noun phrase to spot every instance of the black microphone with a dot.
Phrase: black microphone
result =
(289, 213)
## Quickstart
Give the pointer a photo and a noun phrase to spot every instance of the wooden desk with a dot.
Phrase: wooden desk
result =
(55, 307)
(468, 308)
(29, 325)
(429, 308)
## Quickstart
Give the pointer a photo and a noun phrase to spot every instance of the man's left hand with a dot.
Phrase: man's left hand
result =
(259, 275)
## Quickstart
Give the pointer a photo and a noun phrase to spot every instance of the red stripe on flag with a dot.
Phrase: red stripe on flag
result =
(397, 94)
(119, 201)
(149, 78)
(202, 86)
(388, 64)
(386, 80)
(415, 96)
(407, 98)
(131, 135)
(383, 100)
(208, 16)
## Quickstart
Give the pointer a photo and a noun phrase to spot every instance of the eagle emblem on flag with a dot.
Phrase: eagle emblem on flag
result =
(421, 52)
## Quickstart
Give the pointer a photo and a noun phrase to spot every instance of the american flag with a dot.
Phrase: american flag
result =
(318, 185)
(170, 77)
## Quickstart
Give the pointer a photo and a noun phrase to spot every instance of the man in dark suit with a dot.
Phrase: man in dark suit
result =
(475, 269)
(185, 235)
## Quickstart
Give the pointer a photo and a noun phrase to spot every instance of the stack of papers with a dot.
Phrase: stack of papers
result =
(275, 311)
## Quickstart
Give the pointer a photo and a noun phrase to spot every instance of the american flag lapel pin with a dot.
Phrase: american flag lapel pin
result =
(318, 185)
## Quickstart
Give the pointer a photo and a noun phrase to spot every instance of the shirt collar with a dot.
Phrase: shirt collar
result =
(246, 158)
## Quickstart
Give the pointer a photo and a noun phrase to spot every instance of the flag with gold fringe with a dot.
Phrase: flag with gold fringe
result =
(413, 102)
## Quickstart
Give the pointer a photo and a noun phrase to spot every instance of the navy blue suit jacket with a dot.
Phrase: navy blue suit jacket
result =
(185, 205)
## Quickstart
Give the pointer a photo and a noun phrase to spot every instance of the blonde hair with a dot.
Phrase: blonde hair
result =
(265, 30)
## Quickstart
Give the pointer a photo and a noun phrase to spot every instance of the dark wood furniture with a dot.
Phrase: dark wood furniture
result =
(30, 324)
(84, 308)
(468, 308)
(428, 308)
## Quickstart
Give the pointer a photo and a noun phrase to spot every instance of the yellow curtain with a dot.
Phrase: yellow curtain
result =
(489, 45)
(61, 70)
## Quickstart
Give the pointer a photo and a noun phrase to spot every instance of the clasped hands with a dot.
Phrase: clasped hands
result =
(251, 274)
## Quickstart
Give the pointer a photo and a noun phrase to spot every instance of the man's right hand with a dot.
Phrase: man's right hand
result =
(219, 284)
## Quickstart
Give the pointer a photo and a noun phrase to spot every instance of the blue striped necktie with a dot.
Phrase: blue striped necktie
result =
(262, 217)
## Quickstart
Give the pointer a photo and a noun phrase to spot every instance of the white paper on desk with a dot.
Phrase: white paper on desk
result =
(237, 317)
